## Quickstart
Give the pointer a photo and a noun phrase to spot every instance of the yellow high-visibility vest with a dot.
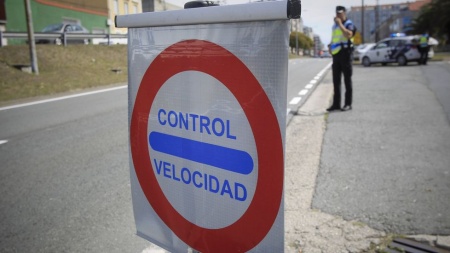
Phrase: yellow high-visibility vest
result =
(423, 41)
(338, 39)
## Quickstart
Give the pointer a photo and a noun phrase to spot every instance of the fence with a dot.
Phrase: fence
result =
(63, 38)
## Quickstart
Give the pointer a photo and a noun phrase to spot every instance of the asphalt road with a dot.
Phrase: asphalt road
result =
(303, 77)
(386, 162)
(64, 174)
(64, 177)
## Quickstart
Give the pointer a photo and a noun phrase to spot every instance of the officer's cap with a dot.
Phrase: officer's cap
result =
(340, 9)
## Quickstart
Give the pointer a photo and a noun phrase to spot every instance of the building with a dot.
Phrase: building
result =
(95, 15)
(296, 25)
(382, 20)
(123, 7)
(158, 5)
(308, 31)
(91, 14)
(318, 46)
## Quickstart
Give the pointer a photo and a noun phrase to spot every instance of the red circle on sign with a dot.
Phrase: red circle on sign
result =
(203, 56)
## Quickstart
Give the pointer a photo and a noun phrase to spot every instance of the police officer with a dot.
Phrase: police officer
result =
(424, 48)
(341, 47)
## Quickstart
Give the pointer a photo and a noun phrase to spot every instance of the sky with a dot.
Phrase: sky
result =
(317, 14)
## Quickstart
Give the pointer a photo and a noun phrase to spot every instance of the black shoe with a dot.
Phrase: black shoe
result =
(346, 108)
(333, 108)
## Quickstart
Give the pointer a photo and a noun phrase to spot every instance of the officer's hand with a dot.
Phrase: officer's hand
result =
(337, 20)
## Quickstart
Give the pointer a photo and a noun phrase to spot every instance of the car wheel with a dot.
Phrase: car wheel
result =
(402, 60)
(366, 61)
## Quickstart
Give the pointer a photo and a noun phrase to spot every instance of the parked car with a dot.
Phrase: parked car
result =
(361, 49)
(325, 54)
(67, 28)
(399, 50)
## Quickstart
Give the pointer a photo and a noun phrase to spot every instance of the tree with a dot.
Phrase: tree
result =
(434, 18)
(304, 42)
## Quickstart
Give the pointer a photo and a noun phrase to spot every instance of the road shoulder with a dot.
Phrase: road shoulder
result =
(307, 229)
(312, 230)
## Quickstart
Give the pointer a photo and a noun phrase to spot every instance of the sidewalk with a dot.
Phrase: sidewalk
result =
(383, 165)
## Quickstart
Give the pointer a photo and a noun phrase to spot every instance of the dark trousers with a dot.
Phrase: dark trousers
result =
(342, 64)
(423, 55)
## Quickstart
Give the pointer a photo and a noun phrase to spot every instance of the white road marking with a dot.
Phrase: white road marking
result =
(303, 92)
(154, 249)
(61, 98)
(288, 111)
(3, 142)
(295, 100)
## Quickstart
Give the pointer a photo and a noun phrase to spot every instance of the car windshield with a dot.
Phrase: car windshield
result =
(363, 46)
(53, 28)
(382, 44)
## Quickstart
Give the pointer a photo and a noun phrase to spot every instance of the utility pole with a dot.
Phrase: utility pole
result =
(296, 36)
(377, 21)
(362, 21)
(33, 57)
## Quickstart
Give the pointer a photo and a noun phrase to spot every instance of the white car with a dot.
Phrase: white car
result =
(64, 28)
(362, 49)
(397, 49)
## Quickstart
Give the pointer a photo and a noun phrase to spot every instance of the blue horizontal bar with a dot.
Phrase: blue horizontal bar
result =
(218, 156)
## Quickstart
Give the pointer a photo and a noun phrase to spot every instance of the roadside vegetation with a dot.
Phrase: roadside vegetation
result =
(71, 68)
(441, 56)
(434, 20)
(303, 42)
(61, 69)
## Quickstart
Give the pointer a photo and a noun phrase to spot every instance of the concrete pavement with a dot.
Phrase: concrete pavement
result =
(355, 178)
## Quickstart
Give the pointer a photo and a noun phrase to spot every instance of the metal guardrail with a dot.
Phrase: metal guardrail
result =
(62, 36)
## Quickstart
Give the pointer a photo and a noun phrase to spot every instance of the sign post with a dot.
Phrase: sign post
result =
(207, 97)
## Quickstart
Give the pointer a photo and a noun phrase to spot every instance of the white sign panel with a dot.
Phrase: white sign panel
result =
(207, 129)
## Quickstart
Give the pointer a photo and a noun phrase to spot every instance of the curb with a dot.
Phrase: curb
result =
(309, 230)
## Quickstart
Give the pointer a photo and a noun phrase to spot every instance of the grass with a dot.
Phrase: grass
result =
(61, 69)
(441, 56)
(71, 68)
(294, 56)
